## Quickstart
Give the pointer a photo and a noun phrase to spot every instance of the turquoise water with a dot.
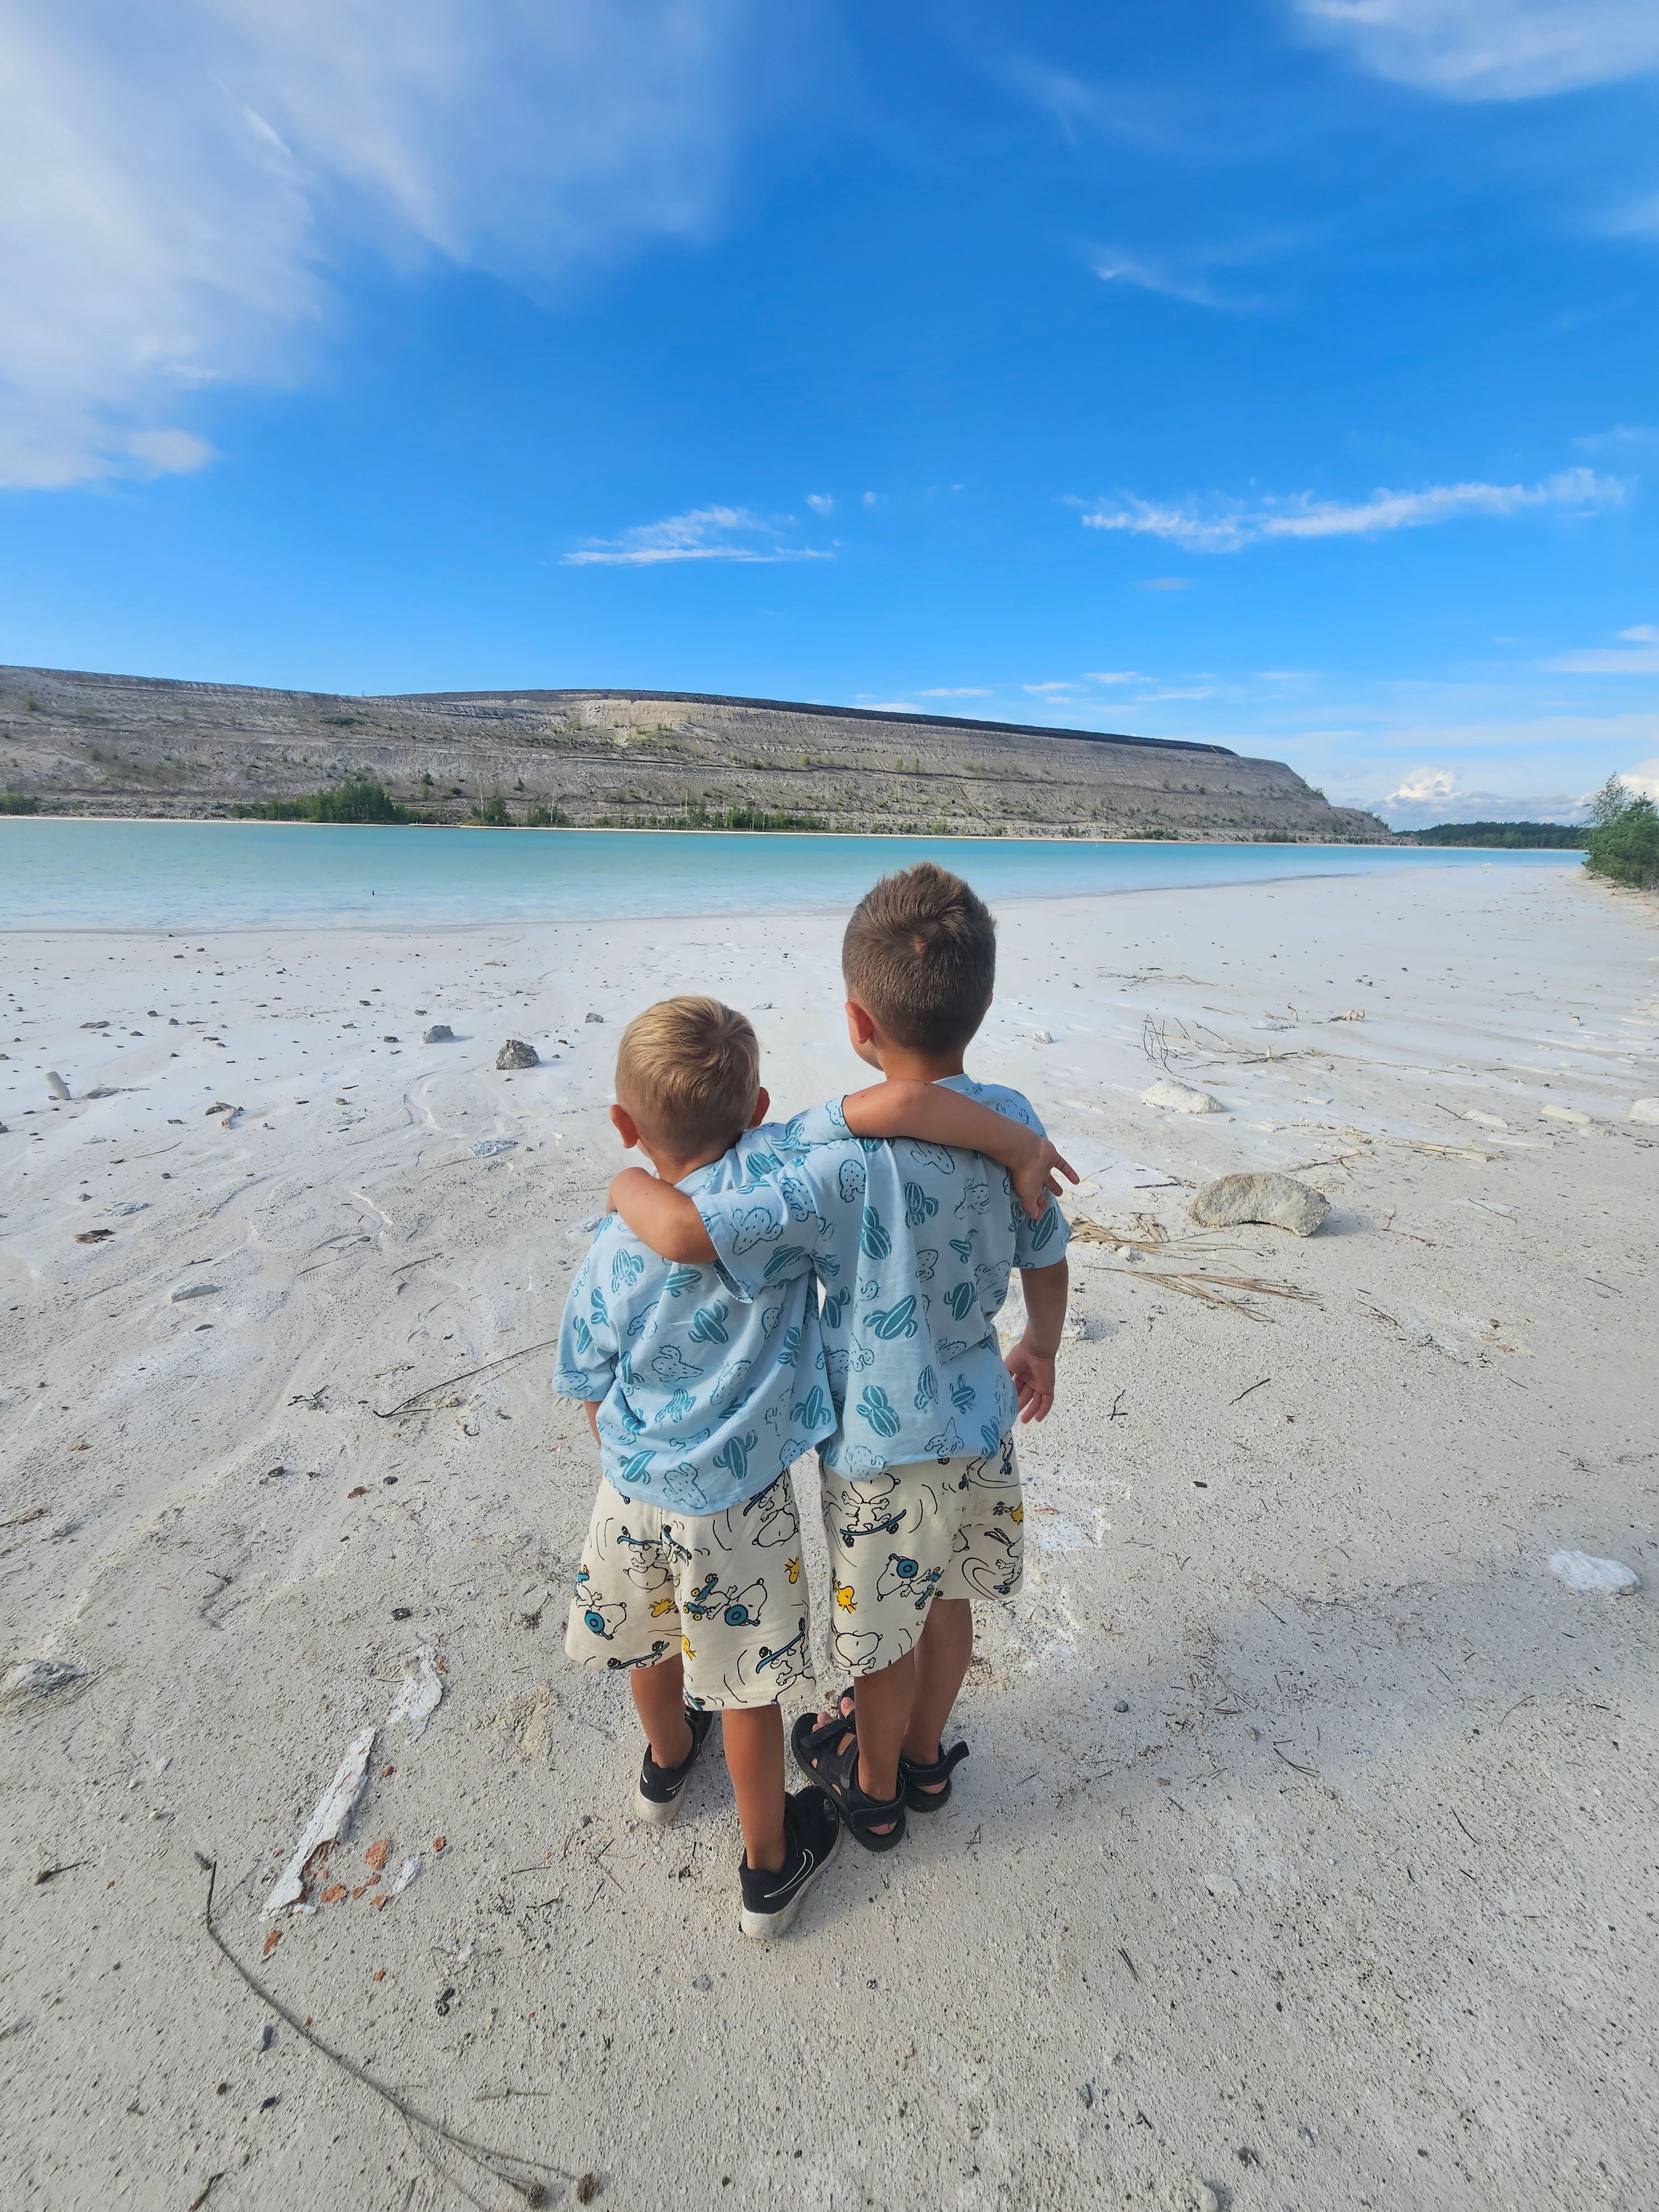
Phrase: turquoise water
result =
(62, 874)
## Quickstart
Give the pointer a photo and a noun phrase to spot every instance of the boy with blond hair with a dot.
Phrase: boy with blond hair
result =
(700, 1392)
(913, 1243)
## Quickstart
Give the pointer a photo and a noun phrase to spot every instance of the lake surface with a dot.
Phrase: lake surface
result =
(68, 874)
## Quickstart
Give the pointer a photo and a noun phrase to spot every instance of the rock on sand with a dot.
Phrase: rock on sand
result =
(1181, 1097)
(1594, 1577)
(516, 1052)
(1277, 1200)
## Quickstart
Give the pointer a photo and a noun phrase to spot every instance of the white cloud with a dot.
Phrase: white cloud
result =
(1637, 655)
(1493, 49)
(174, 188)
(820, 503)
(706, 533)
(1642, 781)
(1045, 691)
(1148, 275)
(954, 691)
(1430, 795)
(1115, 676)
(1217, 526)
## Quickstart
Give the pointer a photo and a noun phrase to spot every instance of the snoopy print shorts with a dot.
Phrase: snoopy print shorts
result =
(724, 1590)
(934, 1527)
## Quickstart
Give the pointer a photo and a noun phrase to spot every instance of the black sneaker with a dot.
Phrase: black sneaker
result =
(811, 1837)
(657, 1797)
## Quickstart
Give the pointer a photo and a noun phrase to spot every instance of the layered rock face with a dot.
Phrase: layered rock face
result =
(133, 745)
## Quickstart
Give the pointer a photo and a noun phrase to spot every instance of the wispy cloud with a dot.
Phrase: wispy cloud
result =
(954, 691)
(1148, 273)
(1048, 690)
(820, 503)
(1223, 527)
(706, 533)
(1493, 49)
(1115, 676)
(169, 204)
(1636, 654)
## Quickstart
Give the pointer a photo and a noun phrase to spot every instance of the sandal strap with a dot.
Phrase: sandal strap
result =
(940, 1770)
(836, 1773)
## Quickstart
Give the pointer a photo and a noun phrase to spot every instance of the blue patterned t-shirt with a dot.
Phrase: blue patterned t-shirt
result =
(706, 1391)
(913, 1244)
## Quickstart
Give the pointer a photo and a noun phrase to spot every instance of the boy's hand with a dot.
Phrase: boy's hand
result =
(1033, 1380)
(1036, 1179)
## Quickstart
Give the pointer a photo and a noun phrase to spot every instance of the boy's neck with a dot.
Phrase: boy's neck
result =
(902, 1063)
(671, 1168)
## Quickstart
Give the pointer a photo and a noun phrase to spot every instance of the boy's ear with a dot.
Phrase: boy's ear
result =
(762, 1107)
(625, 1126)
(860, 1022)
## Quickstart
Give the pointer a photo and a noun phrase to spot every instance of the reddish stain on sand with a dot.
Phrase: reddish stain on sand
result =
(377, 1853)
(271, 1941)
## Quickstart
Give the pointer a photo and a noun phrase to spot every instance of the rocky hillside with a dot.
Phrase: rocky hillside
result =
(133, 745)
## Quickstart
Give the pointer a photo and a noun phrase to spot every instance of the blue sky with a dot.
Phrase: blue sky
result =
(1276, 371)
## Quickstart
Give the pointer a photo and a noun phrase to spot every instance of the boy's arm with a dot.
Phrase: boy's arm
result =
(938, 1116)
(1031, 1361)
(663, 1218)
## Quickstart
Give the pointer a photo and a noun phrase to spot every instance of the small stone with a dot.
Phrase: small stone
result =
(192, 1291)
(1041, 1037)
(516, 1052)
(1077, 1327)
(56, 1085)
(1646, 1110)
(1594, 1577)
(390, 1040)
(1280, 1201)
(488, 1147)
(1567, 1114)
(1122, 1706)
(439, 1033)
(95, 1025)
(593, 1017)
(1181, 1097)
(704, 1982)
(1486, 1120)
(218, 1107)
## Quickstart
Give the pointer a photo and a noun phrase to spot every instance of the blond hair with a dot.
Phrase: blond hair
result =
(921, 955)
(688, 1071)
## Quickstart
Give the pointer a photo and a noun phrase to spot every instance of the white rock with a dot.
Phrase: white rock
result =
(1041, 1037)
(192, 1291)
(1567, 1114)
(488, 1147)
(1646, 1110)
(327, 1822)
(1077, 1326)
(1486, 1120)
(1277, 1200)
(1181, 1097)
(439, 1033)
(56, 1085)
(1593, 1578)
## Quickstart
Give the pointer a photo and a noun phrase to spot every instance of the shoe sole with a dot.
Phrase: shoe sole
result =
(761, 1926)
(656, 1812)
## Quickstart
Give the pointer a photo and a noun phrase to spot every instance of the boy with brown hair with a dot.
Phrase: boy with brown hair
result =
(913, 1243)
(701, 1392)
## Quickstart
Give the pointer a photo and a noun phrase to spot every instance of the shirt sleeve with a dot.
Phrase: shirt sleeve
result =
(786, 1223)
(818, 1125)
(1042, 1243)
(588, 1339)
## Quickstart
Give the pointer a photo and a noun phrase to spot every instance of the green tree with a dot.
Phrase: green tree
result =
(1625, 848)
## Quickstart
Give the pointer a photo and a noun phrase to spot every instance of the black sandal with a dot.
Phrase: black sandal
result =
(836, 1773)
(916, 1776)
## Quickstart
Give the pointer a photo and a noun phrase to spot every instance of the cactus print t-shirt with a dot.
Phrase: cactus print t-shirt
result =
(913, 1244)
(706, 1393)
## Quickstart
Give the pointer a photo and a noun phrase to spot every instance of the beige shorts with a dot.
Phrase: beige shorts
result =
(933, 1527)
(722, 1591)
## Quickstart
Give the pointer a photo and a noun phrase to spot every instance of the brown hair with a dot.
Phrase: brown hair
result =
(688, 1071)
(920, 955)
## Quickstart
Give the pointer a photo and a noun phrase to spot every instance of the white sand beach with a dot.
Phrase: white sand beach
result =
(1305, 1858)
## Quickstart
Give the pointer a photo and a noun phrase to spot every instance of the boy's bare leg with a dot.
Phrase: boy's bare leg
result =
(881, 1706)
(754, 1757)
(660, 1701)
(941, 1666)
